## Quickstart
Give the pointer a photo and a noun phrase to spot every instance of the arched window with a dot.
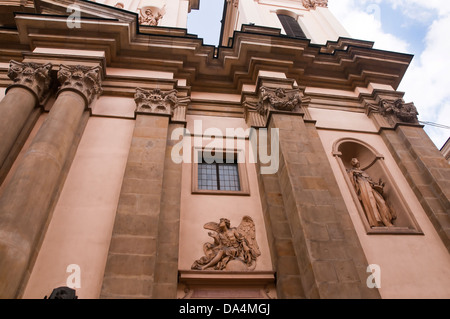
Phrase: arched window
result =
(291, 26)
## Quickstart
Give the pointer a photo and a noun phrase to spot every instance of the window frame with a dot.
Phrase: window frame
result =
(288, 24)
(241, 168)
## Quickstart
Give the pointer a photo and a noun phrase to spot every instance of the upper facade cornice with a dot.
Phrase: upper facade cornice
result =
(343, 64)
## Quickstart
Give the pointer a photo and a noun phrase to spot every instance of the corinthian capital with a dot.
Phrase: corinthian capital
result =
(155, 101)
(82, 79)
(312, 4)
(278, 99)
(33, 76)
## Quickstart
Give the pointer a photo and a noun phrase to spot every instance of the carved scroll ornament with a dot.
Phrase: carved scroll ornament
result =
(82, 79)
(397, 109)
(405, 112)
(278, 99)
(33, 76)
(312, 4)
(233, 249)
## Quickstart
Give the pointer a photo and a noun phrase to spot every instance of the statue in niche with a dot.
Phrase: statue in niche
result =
(370, 194)
(233, 249)
(149, 17)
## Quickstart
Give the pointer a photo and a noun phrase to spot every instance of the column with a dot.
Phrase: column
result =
(31, 84)
(27, 200)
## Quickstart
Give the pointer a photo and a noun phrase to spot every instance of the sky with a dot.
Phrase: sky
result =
(418, 27)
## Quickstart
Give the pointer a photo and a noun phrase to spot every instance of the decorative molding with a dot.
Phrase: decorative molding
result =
(235, 3)
(395, 111)
(82, 79)
(33, 76)
(313, 4)
(161, 102)
(272, 100)
(234, 248)
(278, 99)
(150, 16)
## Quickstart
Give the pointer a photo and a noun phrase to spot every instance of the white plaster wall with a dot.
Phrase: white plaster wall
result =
(81, 227)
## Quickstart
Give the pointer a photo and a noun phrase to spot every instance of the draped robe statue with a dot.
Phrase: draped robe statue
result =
(370, 194)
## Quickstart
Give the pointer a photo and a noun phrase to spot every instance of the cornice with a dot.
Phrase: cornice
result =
(343, 64)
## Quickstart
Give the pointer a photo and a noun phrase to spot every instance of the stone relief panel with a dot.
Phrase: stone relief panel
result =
(33, 76)
(233, 248)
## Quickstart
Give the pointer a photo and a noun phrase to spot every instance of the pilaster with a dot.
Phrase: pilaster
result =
(316, 248)
(422, 164)
(143, 255)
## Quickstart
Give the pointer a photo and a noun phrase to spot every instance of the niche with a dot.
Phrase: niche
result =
(380, 203)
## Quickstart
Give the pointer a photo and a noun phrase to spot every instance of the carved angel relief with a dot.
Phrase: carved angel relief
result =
(233, 249)
(31, 75)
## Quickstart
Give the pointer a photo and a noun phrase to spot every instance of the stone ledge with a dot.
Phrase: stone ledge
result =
(230, 278)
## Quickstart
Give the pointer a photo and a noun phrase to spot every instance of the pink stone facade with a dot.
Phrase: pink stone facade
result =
(115, 210)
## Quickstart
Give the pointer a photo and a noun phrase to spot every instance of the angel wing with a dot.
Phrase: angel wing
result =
(247, 229)
(212, 226)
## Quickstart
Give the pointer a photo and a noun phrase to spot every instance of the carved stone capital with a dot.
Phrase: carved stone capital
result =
(269, 99)
(278, 99)
(82, 79)
(156, 101)
(313, 4)
(396, 111)
(33, 76)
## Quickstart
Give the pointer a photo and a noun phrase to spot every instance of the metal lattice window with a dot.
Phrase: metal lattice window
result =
(218, 176)
(291, 26)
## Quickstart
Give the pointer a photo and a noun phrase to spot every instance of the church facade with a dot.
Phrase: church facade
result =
(137, 162)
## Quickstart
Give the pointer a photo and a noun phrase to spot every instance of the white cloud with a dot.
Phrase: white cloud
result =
(426, 83)
(362, 19)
